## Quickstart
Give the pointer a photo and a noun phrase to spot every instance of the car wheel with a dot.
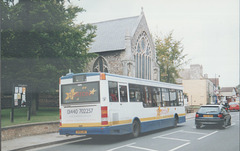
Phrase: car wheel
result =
(135, 128)
(198, 126)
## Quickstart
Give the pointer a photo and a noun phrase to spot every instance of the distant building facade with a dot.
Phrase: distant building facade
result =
(125, 47)
(199, 92)
(199, 89)
(228, 94)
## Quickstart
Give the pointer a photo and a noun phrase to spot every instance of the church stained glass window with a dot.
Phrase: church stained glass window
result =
(143, 57)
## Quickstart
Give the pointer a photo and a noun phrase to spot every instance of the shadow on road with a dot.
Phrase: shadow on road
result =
(213, 127)
(104, 140)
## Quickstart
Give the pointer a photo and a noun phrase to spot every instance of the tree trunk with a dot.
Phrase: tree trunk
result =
(34, 104)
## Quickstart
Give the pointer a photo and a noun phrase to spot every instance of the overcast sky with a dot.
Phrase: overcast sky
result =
(208, 29)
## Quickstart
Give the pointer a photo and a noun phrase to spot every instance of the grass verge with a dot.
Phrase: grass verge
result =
(44, 114)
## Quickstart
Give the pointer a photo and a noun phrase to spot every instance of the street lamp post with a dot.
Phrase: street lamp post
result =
(216, 87)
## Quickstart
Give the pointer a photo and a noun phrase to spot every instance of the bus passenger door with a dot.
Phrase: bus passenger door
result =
(118, 107)
(124, 105)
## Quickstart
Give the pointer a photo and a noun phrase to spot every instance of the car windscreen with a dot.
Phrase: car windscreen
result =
(233, 103)
(208, 109)
(80, 93)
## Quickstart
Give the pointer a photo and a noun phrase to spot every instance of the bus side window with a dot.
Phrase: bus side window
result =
(113, 93)
(133, 94)
(173, 97)
(123, 93)
(180, 98)
(154, 97)
(165, 97)
(150, 98)
(159, 97)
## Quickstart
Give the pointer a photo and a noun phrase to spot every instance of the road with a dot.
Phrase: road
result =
(183, 138)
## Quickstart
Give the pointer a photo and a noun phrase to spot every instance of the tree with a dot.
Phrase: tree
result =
(41, 42)
(170, 57)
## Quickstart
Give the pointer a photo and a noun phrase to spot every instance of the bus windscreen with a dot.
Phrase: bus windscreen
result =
(80, 93)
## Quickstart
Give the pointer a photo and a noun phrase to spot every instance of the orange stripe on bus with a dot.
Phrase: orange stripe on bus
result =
(117, 122)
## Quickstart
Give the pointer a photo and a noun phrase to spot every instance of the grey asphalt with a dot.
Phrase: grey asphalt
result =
(30, 142)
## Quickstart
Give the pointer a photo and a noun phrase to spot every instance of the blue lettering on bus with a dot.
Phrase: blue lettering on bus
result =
(85, 111)
(80, 111)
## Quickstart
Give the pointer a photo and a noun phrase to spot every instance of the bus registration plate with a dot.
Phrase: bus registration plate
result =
(81, 132)
(207, 115)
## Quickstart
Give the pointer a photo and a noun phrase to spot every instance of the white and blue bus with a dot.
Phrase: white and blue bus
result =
(109, 104)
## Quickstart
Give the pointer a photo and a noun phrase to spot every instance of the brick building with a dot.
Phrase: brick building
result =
(125, 47)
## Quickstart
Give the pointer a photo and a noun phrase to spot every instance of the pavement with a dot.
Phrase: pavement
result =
(43, 140)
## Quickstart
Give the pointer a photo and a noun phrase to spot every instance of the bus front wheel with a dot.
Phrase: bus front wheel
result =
(135, 128)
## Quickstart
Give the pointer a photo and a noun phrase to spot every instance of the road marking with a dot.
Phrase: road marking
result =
(179, 146)
(167, 134)
(194, 132)
(121, 147)
(207, 135)
(141, 148)
(176, 139)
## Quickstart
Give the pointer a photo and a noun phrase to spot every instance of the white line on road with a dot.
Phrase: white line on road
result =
(141, 148)
(179, 146)
(176, 139)
(194, 132)
(167, 134)
(121, 147)
(207, 135)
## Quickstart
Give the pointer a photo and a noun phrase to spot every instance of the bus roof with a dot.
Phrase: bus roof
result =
(70, 75)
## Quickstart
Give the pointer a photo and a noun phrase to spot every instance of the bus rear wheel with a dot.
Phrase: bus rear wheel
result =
(135, 129)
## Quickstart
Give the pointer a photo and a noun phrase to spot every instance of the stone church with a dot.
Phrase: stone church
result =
(125, 47)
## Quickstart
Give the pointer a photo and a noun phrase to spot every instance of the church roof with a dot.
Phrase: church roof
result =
(110, 35)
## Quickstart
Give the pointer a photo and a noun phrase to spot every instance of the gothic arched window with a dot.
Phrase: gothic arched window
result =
(143, 57)
(100, 65)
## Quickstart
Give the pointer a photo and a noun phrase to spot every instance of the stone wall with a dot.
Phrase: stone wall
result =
(113, 59)
(13, 132)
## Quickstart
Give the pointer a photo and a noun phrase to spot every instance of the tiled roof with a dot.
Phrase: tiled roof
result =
(110, 35)
(227, 89)
(215, 81)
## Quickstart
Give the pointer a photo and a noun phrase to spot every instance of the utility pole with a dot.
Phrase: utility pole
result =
(216, 86)
(0, 79)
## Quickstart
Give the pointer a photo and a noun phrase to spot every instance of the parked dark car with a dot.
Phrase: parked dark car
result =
(212, 115)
